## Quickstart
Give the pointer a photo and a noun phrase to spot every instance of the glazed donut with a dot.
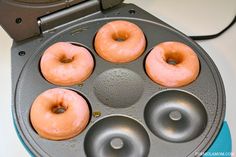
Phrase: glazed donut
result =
(59, 114)
(172, 64)
(120, 42)
(66, 64)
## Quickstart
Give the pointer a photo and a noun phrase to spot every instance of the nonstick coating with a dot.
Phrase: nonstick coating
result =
(206, 93)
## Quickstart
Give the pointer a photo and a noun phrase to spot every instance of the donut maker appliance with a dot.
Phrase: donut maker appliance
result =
(131, 116)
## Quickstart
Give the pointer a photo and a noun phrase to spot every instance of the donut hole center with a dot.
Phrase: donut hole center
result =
(171, 61)
(120, 37)
(173, 58)
(65, 59)
(59, 109)
(117, 143)
(175, 115)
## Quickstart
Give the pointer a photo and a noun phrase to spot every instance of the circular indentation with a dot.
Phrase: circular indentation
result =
(118, 88)
(21, 53)
(132, 11)
(58, 109)
(18, 20)
(175, 116)
(66, 59)
(117, 136)
(117, 143)
(172, 61)
(120, 39)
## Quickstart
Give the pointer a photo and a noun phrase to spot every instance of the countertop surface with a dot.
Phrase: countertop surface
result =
(221, 49)
(194, 18)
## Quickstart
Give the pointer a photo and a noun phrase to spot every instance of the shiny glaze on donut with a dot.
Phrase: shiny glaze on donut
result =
(66, 64)
(120, 42)
(160, 69)
(52, 125)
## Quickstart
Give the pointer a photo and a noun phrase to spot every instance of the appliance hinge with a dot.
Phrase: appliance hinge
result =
(53, 20)
(69, 14)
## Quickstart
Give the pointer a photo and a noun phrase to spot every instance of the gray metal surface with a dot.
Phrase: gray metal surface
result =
(22, 18)
(207, 92)
(67, 15)
(117, 136)
(175, 116)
